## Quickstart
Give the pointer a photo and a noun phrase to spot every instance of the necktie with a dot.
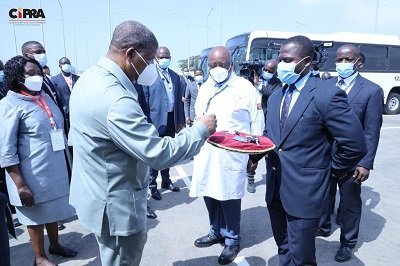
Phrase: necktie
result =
(286, 105)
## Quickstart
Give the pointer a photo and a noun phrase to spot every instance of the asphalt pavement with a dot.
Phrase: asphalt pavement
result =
(182, 219)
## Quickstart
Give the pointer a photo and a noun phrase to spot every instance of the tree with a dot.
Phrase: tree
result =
(193, 62)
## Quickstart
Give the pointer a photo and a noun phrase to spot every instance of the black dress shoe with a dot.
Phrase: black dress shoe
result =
(207, 241)
(323, 234)
(155, 194)
(344, 254)
(150, 213)
(228, 254)
(61, 226)
(171, 187)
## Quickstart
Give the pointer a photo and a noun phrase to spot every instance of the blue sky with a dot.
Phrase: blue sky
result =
(170, 19)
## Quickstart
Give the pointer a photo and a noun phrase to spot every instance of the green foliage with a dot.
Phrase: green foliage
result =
(193, 62)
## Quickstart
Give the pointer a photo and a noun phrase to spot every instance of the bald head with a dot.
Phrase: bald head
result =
(163, 52)
(219, 56)
(271, 66)
(32, 47)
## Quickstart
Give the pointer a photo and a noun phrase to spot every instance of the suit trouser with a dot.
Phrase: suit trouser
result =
(224, 218)
(350, 206)
(4, 244)
(120, 250)
(153, 173)
(294, 236)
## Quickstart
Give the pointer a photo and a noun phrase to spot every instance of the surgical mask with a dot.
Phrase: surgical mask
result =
(199, 79)
(41, 58)
(266, 75)
(163, 63)
(148, 75)
(67, 68)
(286, 72)
(345, 70)
(34, 83)
(1, 76)
(186, 74)
(219, 74)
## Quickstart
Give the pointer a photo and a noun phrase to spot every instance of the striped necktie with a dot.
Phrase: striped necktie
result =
(286, 105)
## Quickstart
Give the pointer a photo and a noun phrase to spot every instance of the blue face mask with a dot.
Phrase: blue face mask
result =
(345, 70)
(1, 76)
(266, 75)
(163, 63)
(286, 72)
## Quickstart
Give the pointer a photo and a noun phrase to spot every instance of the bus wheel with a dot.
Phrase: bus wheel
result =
(392, 103)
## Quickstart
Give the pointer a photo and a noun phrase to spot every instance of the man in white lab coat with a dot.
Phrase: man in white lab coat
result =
(219, 175)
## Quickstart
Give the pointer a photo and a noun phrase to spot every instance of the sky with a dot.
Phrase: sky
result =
(185, 27)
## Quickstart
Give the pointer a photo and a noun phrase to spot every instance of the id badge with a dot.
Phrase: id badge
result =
(57, 139)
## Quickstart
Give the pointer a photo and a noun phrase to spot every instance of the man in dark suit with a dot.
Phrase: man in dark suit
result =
(191, 95)
(268, 82)
(366, 100)
(64, 82)
(164, 99)
(303, 120)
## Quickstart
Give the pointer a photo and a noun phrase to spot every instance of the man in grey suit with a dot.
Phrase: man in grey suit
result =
(191, 95)
(114, 144)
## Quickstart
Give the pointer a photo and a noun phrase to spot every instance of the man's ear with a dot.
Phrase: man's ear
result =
(130, 52)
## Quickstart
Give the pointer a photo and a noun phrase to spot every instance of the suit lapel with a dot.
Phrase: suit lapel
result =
(275, 113)
(297, 111)
(357, 87)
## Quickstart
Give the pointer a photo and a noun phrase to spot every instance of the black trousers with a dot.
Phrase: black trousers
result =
(350, 206)
(4, 244)
(294, 236)
(153, 173)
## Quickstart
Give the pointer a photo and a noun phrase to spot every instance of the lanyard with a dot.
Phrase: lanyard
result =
(212, 97)
(43, 104)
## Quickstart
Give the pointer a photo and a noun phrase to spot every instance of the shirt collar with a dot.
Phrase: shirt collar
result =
(302, 82)
(117, 72)
(347, 80)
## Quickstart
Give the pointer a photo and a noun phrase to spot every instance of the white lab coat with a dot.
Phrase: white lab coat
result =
(218, 173)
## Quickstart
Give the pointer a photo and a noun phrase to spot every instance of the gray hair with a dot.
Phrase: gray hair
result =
(133, 34)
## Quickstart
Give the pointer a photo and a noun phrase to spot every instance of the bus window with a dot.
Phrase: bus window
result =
(375, 57)
(238, 56)
(394, 59)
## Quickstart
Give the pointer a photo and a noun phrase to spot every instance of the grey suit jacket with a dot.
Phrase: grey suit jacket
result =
(113, 147)
(190, 100)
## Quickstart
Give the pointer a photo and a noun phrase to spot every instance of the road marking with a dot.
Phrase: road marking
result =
(390, 127)
(241, 261)
(183, 175)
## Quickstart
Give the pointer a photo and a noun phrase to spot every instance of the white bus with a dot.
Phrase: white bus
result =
(382, 56)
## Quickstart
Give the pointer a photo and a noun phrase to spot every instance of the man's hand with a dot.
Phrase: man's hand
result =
(26, 196)
(360, 174)
(256, 78)
(180, 127)
(210, 121)
(187, 120)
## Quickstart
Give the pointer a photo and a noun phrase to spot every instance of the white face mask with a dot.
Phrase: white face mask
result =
(186, 74)
(199, 79)
(67, 68)
(34, 83)
(219, 74)
(148, 75)
(41, 58)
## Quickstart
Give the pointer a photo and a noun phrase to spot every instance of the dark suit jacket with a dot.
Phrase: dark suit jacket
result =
(302, 160)
(63, 90)
(157, 100)
(266, 91)
(190, 99)
(366, 100)
(142, 101)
